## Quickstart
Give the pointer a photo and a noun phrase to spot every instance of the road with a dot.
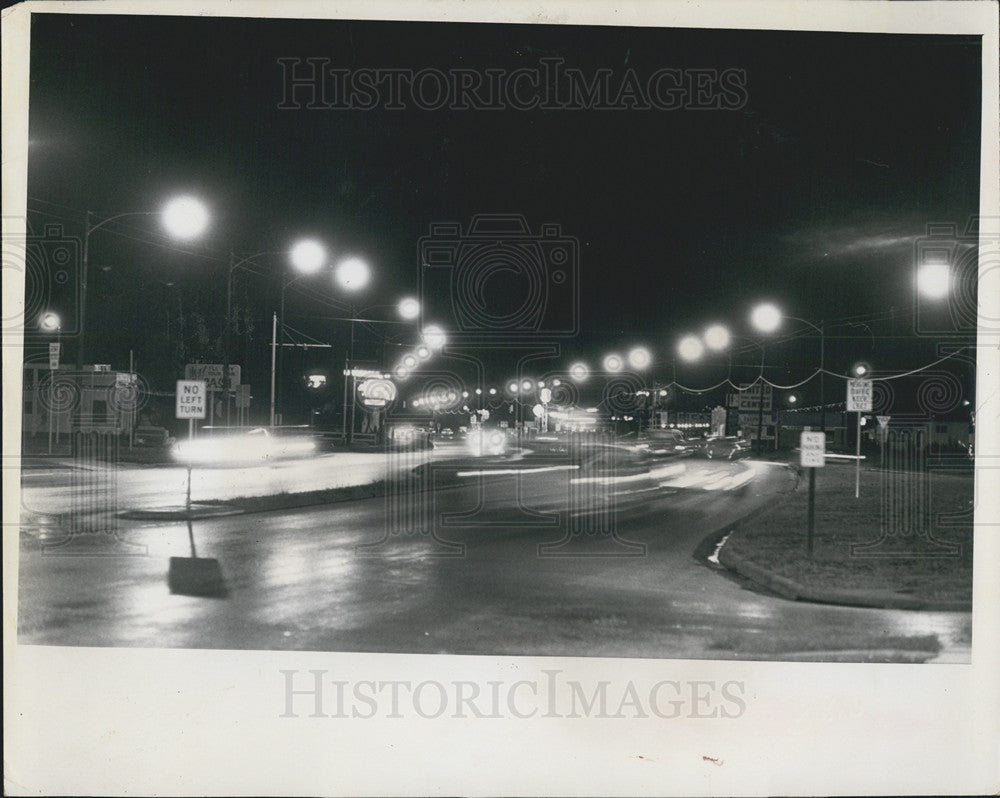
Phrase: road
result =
(539, 560)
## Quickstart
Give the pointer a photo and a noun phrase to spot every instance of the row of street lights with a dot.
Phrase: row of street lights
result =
(186, 218)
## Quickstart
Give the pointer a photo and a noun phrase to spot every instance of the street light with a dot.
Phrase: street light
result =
(690, 348)
(613, 363)
(50, 322)
(352, 274)
(308, 256)
(766, 317)
(434, 337)
(409, 308)
(578, 372)
(934, 280)
(717, 338)
(640, 358)
(183, 217)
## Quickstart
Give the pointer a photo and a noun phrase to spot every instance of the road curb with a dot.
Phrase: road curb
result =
(796, 591)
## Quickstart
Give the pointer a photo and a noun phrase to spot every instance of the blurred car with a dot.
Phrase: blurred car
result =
(486, 442)
(236, 447)
(408, 438)
(152, 437)
(724, 447)
(668, 443)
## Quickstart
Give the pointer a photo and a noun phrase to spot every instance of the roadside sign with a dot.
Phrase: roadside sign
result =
(749, 397)
(191, 398)
(812, 449)
(54, 356)
(211, 375)
(883, 421)
(859, 396)
(545, 395)
(242, 396)
(504, 425)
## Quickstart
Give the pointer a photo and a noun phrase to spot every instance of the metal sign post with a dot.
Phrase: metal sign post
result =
(859, 400)
(812, 449)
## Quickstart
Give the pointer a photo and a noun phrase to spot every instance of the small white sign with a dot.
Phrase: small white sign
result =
(54, 356)
(859, 396)
(883, 421)
(812, 448)
(191, 398)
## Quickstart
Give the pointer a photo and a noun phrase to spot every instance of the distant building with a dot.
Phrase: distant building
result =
(65, 400)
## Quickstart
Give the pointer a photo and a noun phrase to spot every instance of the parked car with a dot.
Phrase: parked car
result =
(151, 436)
(724, 447)
(668, 443)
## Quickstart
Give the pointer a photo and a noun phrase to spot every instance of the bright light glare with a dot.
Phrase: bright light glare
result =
(716, 337)
(934, 280)
(481, 442)
(237, 449)
(579, 371)
(308, 256)
(434, 336)
(409, 308)
(185, 217)
(50, 322)
(316, 381)
(352, 274)
(766, 317)
(613, 363)
(409, 361)
(527, 385)
(792, 399)
(512, 387)
(690, 348)
(423, 352)
(640, 357)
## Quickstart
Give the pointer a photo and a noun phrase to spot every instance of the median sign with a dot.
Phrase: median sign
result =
(859, 396)
(54, 356)
(191, 399)
(211, 375)
(812, 449)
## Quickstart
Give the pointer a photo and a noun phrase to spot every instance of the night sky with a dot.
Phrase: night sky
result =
(812, 192)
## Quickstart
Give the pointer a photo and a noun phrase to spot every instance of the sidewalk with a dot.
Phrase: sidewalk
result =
(879, 550)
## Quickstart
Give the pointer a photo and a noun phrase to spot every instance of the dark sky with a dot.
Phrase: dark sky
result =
(812, 191)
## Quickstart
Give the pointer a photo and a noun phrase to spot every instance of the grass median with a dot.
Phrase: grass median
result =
(908, 536)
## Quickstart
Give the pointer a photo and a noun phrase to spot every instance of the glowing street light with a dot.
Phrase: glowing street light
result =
(185, 217)
(434, 336)
(690, 348)
(934, 280)
(409, 308)
(352, 274)
(409, 361)
(423, 352)
(613, 363)
(307, 256)
(527, 386)
(512, 386)
(766, 317)
(579, 372)
(640, 357)
(860, 369)
(50, 322)
(792, 399)
(717, 338)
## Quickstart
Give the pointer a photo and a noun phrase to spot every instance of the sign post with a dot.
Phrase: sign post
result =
(859, 400)
(54, 350)
(812, 449)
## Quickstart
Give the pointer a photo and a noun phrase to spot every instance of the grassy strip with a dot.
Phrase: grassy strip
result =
(902, 562)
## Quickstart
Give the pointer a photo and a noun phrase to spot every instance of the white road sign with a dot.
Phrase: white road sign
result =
(191, 398)
(54, 356)
(812, 449)
(883, 421)
(211, 375)
(859, 396)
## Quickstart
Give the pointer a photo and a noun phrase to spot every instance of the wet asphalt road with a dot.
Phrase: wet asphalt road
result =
(497, 565)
